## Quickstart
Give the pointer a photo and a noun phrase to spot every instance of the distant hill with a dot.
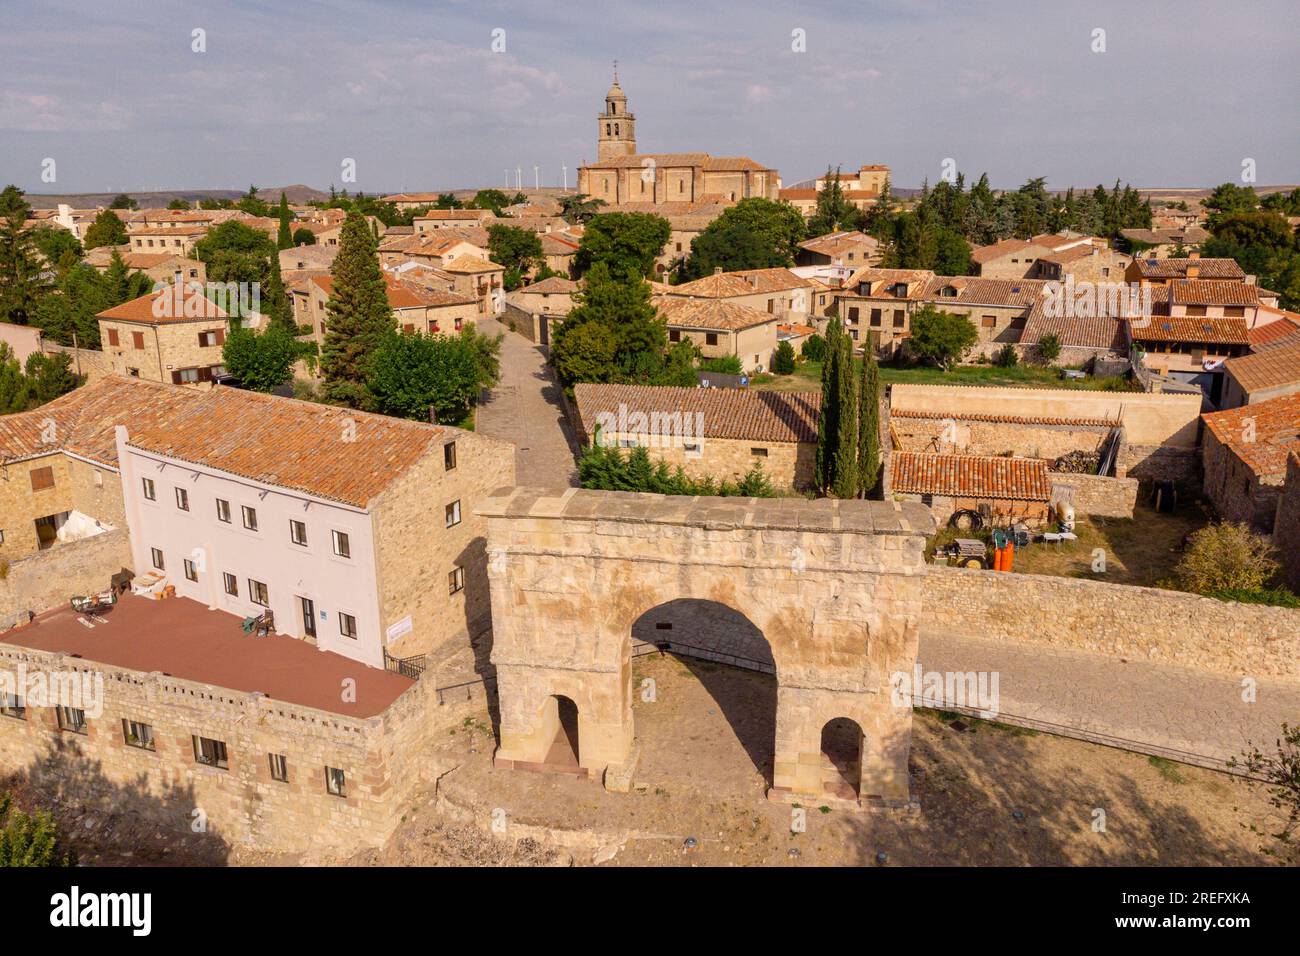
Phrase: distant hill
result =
(297, 193)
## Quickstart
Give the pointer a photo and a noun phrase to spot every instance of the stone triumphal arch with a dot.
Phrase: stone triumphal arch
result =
(835, 587)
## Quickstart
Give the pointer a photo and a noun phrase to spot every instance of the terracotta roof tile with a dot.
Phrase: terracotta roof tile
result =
(173, 308)
(716, 314)
(1165, 328)
(1211, 292)
(334, 453)
(727, 412)
(1177, 268)
(1275, 427)
(1267, 369)
(971, 476)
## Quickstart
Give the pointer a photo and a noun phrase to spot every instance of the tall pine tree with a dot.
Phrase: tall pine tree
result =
(359, 316)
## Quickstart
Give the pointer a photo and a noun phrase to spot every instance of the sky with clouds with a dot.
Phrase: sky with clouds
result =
(415, 94)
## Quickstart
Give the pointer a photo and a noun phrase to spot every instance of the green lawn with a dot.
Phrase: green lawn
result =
(807, 375)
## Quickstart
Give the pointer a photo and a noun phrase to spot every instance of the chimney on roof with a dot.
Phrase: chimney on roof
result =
(717, 270)
(1193, 270)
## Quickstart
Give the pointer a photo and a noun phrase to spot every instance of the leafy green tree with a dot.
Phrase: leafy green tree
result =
(722, 365)
(304, 237)
(447, 201)
(178, 204)
(123, 201)
(284, 237)
(262, 361)
(514, 248)
(627, 325)
(834, 212)
(252, 204)
(869, 460)
(606, 468)
(940, 337)
(415, 375)
(1228, 199)
(22, 281)
(783, 359)
(235, 252)
(756, 233)
(59, 247)
(30, 840)
(49, 376)
(106, 230)
(493, 199)
(627, 243)
(1226, 557)
(578, 208)
(360, 317)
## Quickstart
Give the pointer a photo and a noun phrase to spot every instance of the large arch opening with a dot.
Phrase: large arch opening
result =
(705, 695)
(841, 750)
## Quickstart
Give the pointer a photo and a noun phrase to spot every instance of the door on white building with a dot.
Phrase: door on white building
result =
(308, 607)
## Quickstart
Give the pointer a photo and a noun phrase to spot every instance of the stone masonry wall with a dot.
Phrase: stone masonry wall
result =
(1096, 494)
(241, 804)
(1286, 527)
(954, 434)
(415, 551)
(1116, 620)
(49, 578)
(786, 464)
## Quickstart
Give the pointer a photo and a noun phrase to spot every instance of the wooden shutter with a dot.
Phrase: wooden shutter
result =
(176, 378)
(42, 478)
(137, 339)
(221, 336)
(112, 337)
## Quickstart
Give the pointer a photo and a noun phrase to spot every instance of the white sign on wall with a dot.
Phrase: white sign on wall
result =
(399, 629)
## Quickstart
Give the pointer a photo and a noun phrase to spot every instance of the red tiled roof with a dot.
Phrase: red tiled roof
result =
(171, 308)
(1212, 292)
(84, 419)
(726, 412)
(1002, 419)
(1278, 332)
(709, 314)
(1267, 369)
(335, 453)
(1274, 426)
(1172, 328)
(971, 476)
(1177, 268)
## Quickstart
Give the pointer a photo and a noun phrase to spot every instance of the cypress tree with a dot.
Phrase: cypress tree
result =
(277, 306)
(868, 425)
(359, 316)
(284, 239)
(844, 483)
(828, 421)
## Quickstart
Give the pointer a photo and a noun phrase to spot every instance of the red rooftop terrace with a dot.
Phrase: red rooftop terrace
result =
(184, 639)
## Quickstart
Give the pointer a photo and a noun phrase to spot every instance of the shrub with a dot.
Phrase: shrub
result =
(814, 348)
(1048, 349)
(783, 360)
(1006, 357)
(1225, 557)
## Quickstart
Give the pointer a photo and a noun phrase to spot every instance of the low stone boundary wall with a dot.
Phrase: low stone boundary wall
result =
(47, 579)
(1117, 620)
(1096, 494)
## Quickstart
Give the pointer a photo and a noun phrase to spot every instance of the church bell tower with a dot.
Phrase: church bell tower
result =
(617, 132)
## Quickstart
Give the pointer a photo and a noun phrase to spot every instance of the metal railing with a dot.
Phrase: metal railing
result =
(411, 667)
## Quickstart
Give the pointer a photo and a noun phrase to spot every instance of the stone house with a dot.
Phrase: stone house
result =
(436, 219)
(709, 432)
(357, 531)
(852, 249)
(60, 474)
(1162, 271)
(1007, 490)
(1018, 258)
(416, 307)
(559, 252)
(408, 201)
(176, 240)
(1086, 263)
(159, 266)
(877, 304)
(720, 328)
(1270, 373)
(172, 335)
(1160, 243)
(1245, 452)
